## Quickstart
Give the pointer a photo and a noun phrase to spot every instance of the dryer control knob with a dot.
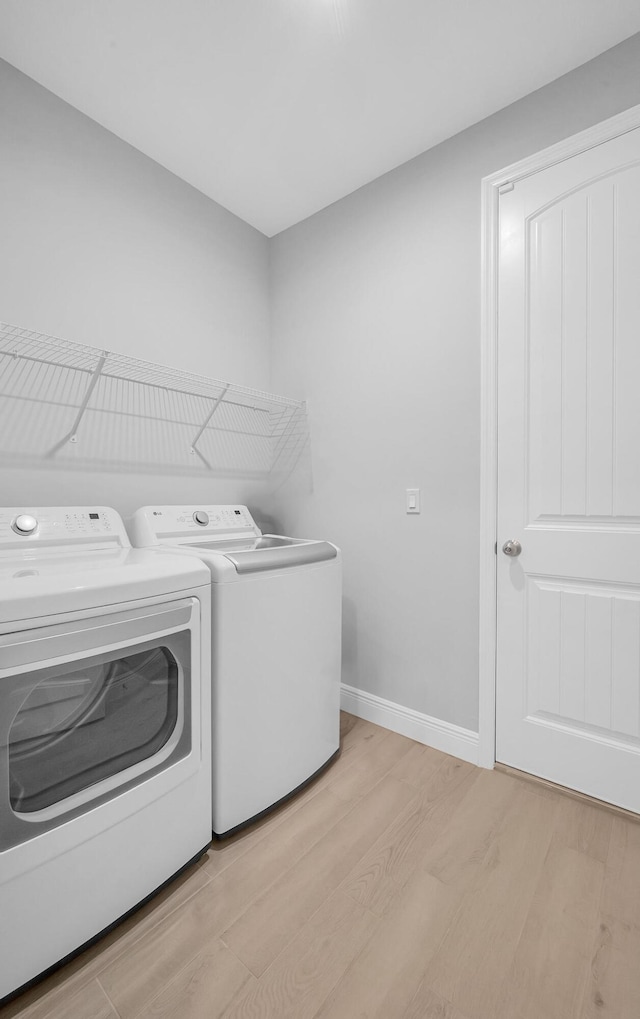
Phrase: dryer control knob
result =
(201, 517)
(24, 524)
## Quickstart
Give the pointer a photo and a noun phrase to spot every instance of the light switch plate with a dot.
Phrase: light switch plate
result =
(413, 500)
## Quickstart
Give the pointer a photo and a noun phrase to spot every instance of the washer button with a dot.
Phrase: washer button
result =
(24, 524)
(201, 517)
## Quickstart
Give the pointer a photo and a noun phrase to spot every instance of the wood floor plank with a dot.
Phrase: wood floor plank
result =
(348, 723)
(478, 948)
(621, 891)
(89, 1002)
(418, 766)
(135, 978)
(303, 975)
(223, 852)
(401, 848)
(463, 843)
(383, 979)
(276, 917)
(265, 860)
(362, 746)
(203, 988)
(613, 982)
(360, 733)
(370, 766)
(548, 973)
(585, 828)
(426, 1004)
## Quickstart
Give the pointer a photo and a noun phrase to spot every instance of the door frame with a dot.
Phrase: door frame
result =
(491, 185)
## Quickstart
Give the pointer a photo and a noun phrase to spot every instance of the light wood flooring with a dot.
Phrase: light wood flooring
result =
(402, 884)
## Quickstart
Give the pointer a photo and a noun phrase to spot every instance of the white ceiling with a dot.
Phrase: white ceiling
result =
(277, 108)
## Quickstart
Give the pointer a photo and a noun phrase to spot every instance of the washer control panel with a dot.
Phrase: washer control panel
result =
(151, 525)
(21, 526)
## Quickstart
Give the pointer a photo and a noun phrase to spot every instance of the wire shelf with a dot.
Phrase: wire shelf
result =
(73, 405)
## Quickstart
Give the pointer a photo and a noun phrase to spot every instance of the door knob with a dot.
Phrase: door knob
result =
(512, 547)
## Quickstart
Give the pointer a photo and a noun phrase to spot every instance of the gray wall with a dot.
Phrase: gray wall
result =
(376, 321)
(101, 245)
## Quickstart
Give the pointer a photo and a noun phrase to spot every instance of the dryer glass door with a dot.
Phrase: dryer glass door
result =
(89, 722)
(90, 708)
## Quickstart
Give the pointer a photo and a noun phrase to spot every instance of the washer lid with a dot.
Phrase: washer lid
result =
(49, 582)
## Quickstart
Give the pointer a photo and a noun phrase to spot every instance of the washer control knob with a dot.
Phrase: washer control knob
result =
(201, 517)
(24, 524)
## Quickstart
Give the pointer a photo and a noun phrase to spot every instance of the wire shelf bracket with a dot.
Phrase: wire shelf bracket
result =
(72, 436)
(194, 444)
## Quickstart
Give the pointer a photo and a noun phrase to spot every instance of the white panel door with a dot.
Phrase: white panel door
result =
(568, 662)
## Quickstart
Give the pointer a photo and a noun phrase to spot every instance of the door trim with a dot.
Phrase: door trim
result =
(491, 185)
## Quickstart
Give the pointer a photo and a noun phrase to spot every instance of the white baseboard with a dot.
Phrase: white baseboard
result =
(433, 732)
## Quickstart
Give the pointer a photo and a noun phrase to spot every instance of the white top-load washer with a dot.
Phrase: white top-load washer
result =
(276, 639)
(105, 757)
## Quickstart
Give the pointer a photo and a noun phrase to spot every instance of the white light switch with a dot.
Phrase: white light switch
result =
(413, 500)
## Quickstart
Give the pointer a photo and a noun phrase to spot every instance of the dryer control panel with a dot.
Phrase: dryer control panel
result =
(155, 525)
(42, 526)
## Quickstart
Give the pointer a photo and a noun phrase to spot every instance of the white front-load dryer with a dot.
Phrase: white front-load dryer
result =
(105, 757)
(276, 642)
